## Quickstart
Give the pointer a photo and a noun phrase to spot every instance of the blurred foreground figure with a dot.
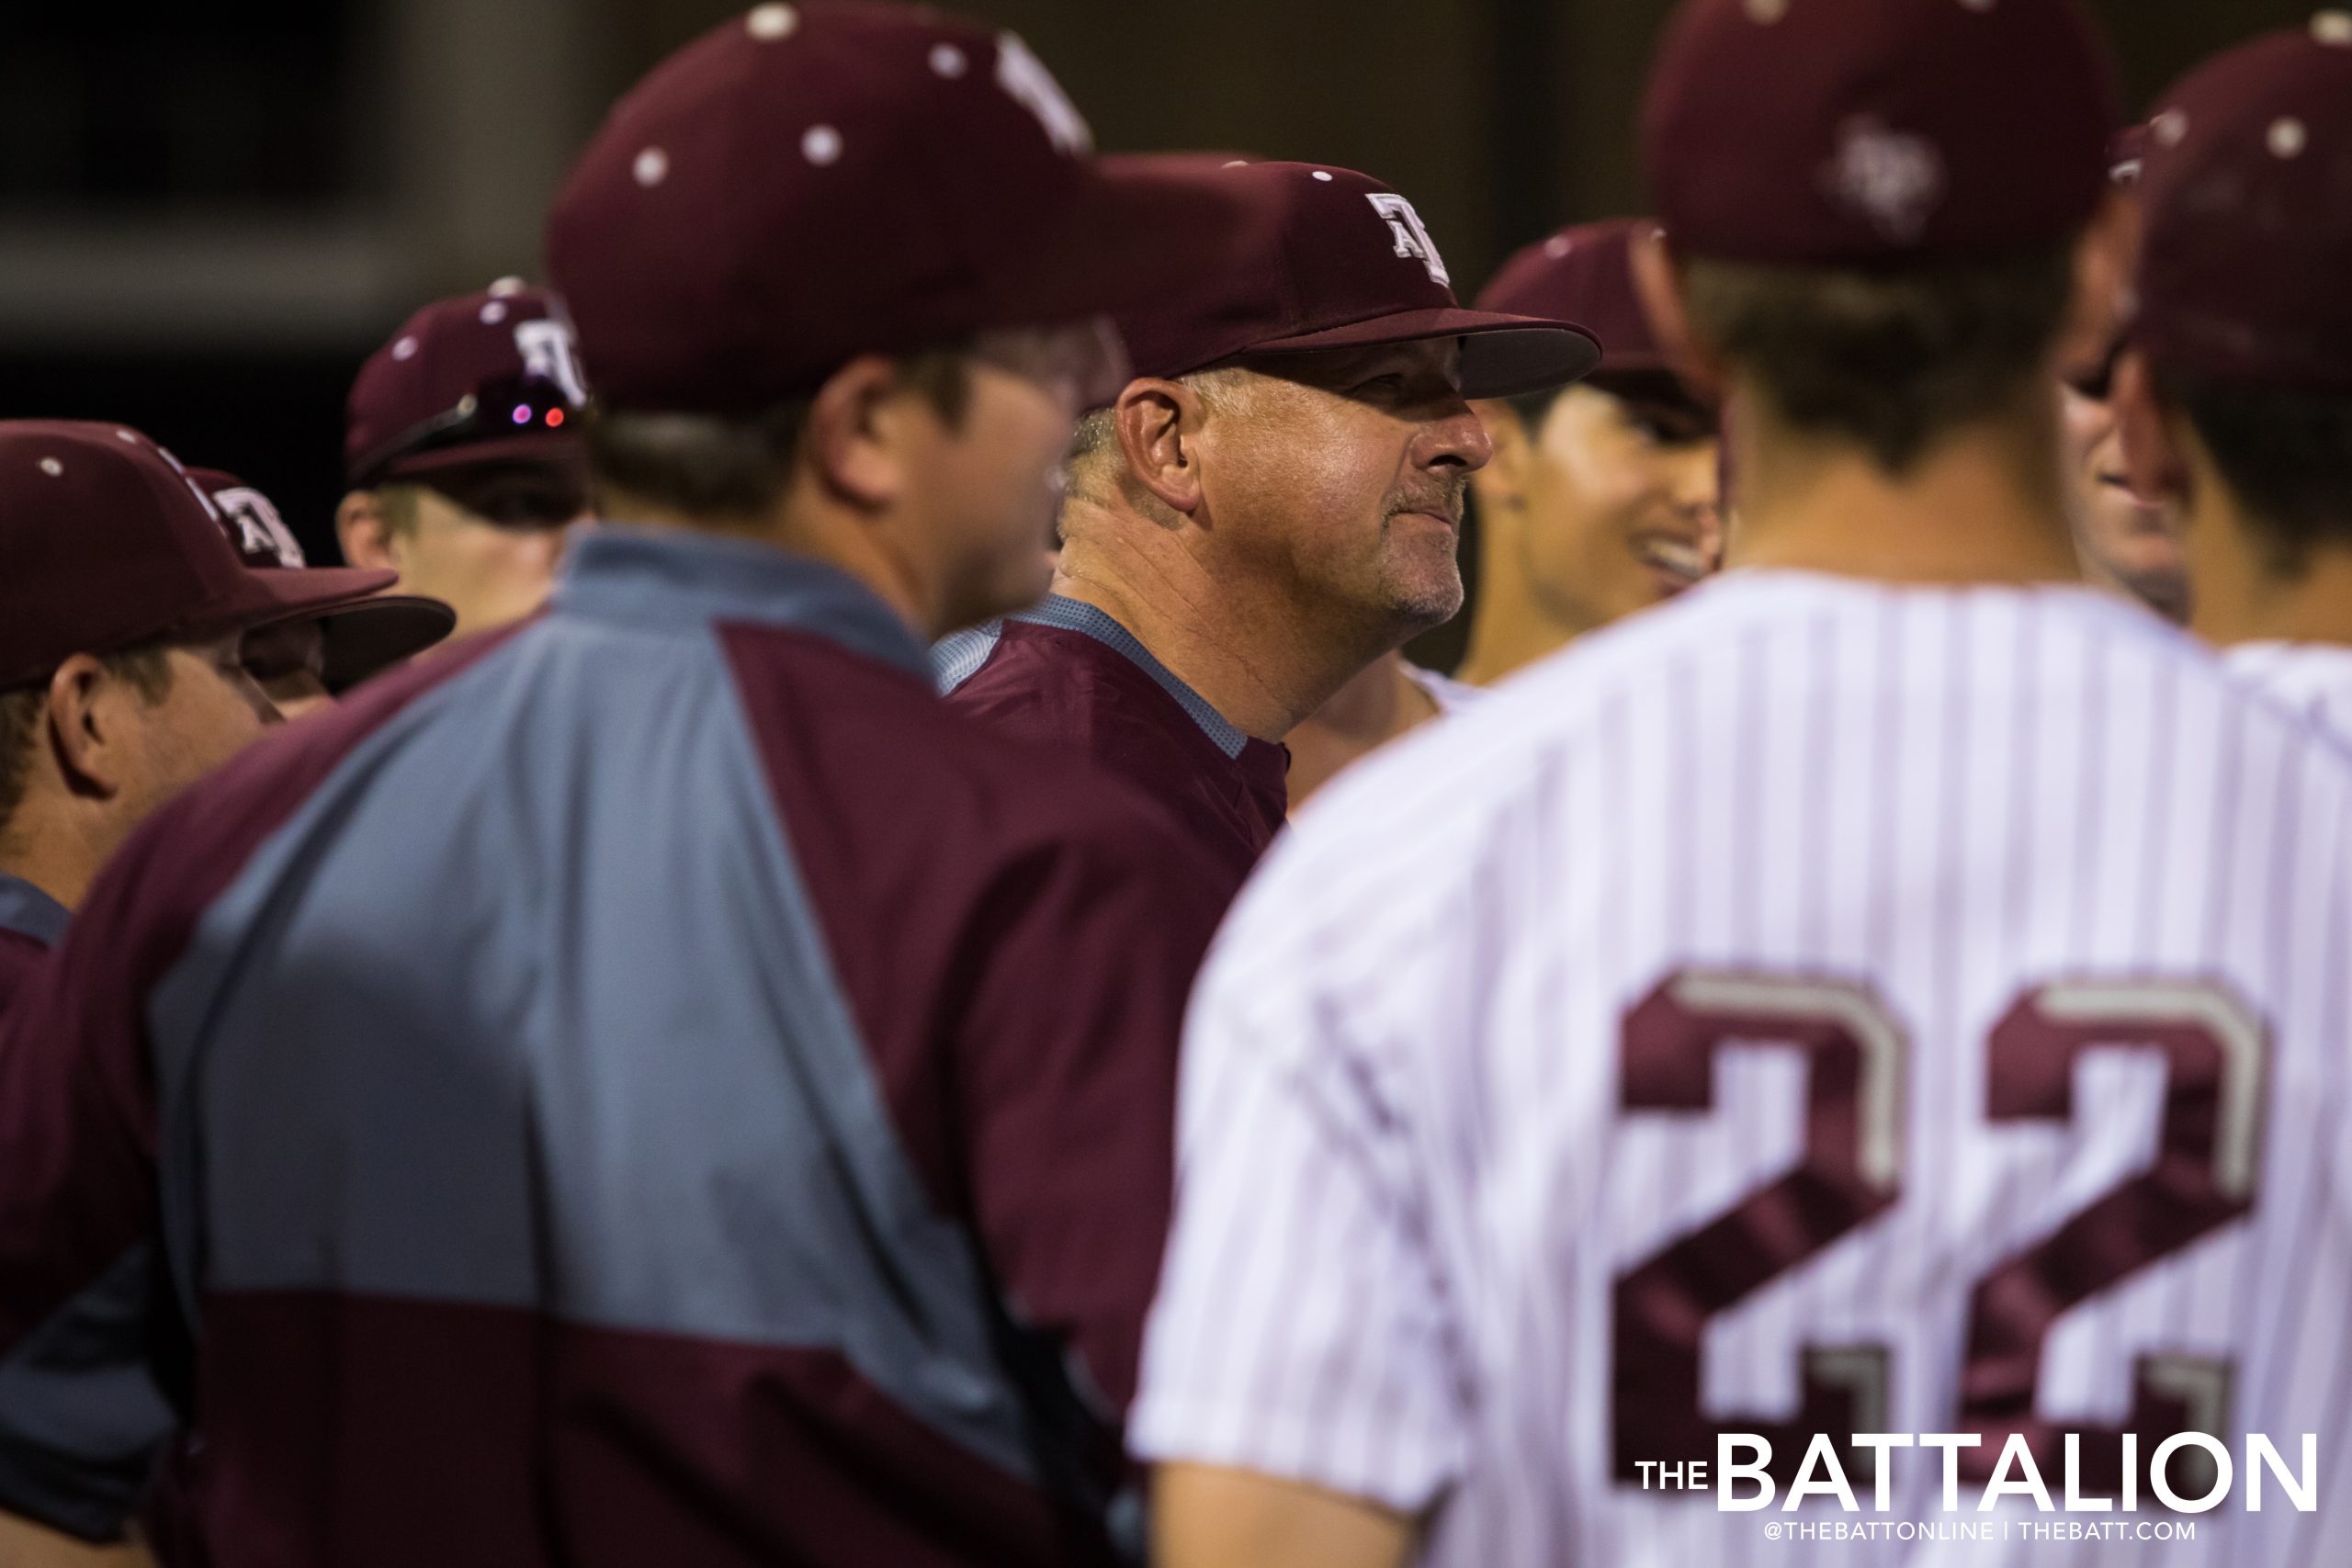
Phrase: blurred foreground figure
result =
(1273, 504)
(1891, 990)
(2237, 388)
(1602, 497)
(654, 1086)
(462, 446)
(301, 664)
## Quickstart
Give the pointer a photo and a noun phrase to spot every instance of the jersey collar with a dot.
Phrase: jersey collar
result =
(677, 578)
(29, 912)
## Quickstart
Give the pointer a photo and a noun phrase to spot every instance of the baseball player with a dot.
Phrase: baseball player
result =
(1603, 496)
(301, 663)
(2129, 546)
(1271, 504)
(461, 444)
(121, 615)
(654, 1086)
(2237, 390)
(1893, 989)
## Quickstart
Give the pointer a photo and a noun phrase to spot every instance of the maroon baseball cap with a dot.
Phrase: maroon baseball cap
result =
(2245, 274)
(1350, 265)
(1585, 274)
(811, 182)
(484, 378)
(362, 638)
(1875, 132)
(106, 544)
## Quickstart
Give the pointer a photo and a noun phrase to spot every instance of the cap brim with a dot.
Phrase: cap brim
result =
(270, 595)
(1145, 227)
(372, 636)
(1502, 355)
(557, 446)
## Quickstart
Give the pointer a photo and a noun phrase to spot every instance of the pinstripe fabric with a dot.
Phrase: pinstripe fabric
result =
(2314, 679)
(1406, 1185)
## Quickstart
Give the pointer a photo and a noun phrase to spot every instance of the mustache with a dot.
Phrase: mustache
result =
(1446, 499)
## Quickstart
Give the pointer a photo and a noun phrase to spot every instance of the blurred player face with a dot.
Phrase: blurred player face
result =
(988, 481)
(1615, 498)
(288, 663)
(485, 542)
(2126, 544)
(1343, 473)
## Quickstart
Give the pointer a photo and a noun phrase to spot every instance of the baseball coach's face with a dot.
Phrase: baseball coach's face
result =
(1345, 470)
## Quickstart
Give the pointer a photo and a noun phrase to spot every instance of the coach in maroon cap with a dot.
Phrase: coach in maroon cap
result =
(302, 661)
(461, 446)
(666, 1088)
(2236, 390)
(1273, 504)
(122, 609)
(1603, 496)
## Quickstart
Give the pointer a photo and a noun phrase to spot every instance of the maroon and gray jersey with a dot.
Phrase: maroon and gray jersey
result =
(652, 1086)
(1810, 1007)
(2315, 679)
(1066, 674)
(30, 924)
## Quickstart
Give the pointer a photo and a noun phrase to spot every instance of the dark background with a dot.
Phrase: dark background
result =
(211, 211)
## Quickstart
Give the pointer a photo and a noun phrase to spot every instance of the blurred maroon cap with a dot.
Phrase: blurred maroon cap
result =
(363, 636)
(811, 182)
(106, 544)
(1875, 132)
(1585, 275)
(2245, 274)
(1351, 265)
(479, 378)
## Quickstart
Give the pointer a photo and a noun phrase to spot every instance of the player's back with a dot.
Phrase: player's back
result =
(598, 1085)
(1813, 1005)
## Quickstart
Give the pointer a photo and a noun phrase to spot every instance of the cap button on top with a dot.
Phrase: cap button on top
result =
(2334, 27)
(652, 167)
(821, 145)
(768, 23)
(52, 468)
(1764, 13)
(493, 313)
(2288, 138)
(404, 349)
(1325, 178)
(949, 61)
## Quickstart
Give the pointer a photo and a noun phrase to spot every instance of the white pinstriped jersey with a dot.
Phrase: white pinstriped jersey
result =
(1809, 1006)
(2313, 678)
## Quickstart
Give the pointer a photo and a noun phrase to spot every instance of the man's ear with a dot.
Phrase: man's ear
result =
(2156, 460)
(85, 729)
(1657, 283)
(1501, 485)
(1160, 425)
(856, 423)
(2104, 258)
(361, 529)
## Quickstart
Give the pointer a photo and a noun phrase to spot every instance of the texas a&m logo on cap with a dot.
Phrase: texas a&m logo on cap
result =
(550, 353)
(1412, 239)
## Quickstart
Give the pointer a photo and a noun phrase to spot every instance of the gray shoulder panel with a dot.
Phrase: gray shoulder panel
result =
(527, 1007)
